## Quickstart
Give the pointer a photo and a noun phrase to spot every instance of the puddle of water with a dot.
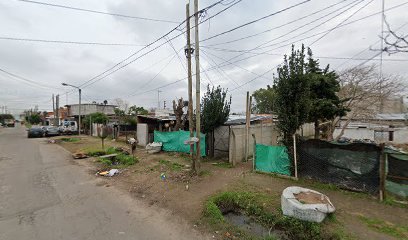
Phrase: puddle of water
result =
(249, 225)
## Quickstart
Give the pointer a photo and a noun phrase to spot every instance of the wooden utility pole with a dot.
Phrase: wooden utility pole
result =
(190, 82)
(382, 173)
(198, 85)
(57, 109)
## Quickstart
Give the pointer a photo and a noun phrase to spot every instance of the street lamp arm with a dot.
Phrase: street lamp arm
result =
(66, 84)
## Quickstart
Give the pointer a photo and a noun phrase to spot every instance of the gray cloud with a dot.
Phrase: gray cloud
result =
(52, 64)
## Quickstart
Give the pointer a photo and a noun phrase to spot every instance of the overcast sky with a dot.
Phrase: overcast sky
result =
(50, 64)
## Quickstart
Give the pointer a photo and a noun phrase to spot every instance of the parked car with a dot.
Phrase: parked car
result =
(51, 131)
(35, 132)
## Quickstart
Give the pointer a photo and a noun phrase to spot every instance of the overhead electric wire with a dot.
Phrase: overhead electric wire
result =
(345, 20)
(69, 42)
(350, 5)
(310, 36)
(365, 49)
(277, 27)
(97, 12)
(37, 84)
(256, 20)
(102, 75)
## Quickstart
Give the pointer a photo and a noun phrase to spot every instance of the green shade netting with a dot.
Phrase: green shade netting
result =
(272, 159)
(174, 141)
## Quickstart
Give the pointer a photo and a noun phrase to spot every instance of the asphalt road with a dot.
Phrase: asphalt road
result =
(44, 195)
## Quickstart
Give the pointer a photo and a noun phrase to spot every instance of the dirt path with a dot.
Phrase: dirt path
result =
(185, 196)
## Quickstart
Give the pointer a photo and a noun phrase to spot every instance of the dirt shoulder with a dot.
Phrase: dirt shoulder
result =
(185, 195)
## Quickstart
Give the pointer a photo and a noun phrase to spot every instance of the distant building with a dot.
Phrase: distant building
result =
(89, 108)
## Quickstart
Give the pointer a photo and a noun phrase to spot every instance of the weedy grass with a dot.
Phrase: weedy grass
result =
(399, 232)
(252, 205)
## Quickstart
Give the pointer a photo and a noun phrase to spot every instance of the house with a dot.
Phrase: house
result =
(384, 127)
(89, 108)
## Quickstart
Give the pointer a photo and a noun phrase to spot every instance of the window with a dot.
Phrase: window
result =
(390, 136)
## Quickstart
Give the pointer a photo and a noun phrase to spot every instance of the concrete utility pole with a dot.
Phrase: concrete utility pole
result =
(197, 59)
(79, 111)
(53, 107)
(57, 109)
(188, 52)
(158, 99)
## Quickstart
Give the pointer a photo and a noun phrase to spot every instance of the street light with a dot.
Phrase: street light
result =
(79, 120)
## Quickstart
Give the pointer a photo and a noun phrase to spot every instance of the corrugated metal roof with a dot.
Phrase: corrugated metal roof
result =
(241, 119)
(392, 116)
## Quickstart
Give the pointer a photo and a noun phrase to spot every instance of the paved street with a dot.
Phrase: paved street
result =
(44, 195)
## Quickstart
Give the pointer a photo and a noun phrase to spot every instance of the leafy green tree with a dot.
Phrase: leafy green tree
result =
(134, 110)
(34, 118)
(292, 94)
(215, 108)
(325, 104)
(264, 100)
(99, 118)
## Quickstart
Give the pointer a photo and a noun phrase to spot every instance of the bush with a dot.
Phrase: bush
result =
(96, 153)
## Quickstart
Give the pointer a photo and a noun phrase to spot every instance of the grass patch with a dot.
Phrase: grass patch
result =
(172, 165)
(70, 139)
(390, 229)
(392, 201)
(121, 160)
(252, 204)
(95, 152)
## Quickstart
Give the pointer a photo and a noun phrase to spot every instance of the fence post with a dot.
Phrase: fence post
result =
(295, 155)
(382, 173)
(254, 155)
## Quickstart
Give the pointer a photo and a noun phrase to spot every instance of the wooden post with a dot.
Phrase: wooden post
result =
(254, 156)
(190, 82)
(295, 156)
(247, 122)
(198, 84)
(382, 173)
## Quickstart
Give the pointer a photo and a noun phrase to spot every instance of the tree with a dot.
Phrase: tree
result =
(121, 104)
(292, 95)
(215, 108)
(134, 110)
(264, 100)
(395, 43)
(98, 117)
(33, 118)
(325, 104)
(178, 111)
(363, 91)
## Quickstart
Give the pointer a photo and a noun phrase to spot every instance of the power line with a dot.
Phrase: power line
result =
(102, 75)
(322, 57)
(26, 80)
(277, 27)
(310, 36)
(69, 42)
(256, 20)
(97, 12)
(345, 20)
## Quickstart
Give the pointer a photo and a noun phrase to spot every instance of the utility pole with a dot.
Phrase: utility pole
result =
(188, 51)
(53, 107)
(381, 57)
(158, 99)
(197, 60)
(57, 109)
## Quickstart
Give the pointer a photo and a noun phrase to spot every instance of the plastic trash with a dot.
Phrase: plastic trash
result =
(113, 172)
(163, 176)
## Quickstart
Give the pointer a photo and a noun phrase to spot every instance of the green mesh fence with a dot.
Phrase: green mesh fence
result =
(174, 141)
(272, 159)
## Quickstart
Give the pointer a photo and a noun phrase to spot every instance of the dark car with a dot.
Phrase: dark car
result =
(35, 132)
(51, 131)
